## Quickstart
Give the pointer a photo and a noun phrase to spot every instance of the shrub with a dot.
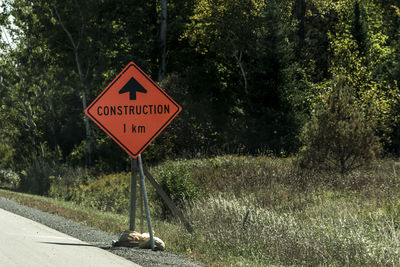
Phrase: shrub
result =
(108, 193)
(339, 136)
(62, 186)
(9, 178)
(175, 180)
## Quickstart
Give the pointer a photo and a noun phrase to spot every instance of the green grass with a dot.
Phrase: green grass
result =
(295, 217)
(106, 221)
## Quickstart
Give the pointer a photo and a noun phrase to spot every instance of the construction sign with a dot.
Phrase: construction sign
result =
(133, 110)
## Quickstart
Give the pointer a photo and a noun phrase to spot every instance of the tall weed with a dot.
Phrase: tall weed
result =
(331, 232)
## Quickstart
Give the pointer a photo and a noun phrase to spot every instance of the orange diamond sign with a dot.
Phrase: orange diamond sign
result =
(133, 110)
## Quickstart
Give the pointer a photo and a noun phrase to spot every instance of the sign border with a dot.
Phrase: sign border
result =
(87, 110)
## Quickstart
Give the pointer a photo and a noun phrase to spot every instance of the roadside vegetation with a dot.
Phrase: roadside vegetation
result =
(251, 210)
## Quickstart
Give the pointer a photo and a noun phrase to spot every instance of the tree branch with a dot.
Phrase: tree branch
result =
(64, 28)
(82, 24)
(239, 62)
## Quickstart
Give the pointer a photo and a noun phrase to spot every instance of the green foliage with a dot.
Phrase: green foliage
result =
(248, 74)
(208, 30)
(107, 193)
(108, 157)
(340, 135)
(7, 153)
(111, 192)
(355, 55)
(62, 185)
(174, 178)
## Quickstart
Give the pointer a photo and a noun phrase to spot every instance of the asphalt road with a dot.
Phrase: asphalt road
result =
(24, 242)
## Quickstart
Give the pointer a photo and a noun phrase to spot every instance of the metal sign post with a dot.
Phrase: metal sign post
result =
(146, 203)
(132, 206)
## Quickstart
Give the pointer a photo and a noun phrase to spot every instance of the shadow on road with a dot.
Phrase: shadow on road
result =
(68, 244)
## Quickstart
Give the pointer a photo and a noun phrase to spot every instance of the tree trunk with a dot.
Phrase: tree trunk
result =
(75, 45)
(53, 122)
(37, 186)
(88, 132)
(299, 12)
(358, 29)
(163, 41)
(84, 106)
(242, 71)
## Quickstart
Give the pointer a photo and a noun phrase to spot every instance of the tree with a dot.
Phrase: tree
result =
(209, 32)
(339, 135)
(23, 106)
(75, 43)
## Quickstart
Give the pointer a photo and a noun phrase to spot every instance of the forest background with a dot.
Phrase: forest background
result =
(249, 75)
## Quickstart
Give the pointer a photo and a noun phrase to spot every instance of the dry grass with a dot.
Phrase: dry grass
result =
(335, 231)
(295, 217)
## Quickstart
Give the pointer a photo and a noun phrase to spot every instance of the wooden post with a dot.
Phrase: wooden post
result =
(167, 200)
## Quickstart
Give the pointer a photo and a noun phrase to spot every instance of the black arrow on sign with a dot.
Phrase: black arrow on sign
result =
(132, 87)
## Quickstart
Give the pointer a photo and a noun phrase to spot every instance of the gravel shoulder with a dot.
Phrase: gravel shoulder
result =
(96, 237)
